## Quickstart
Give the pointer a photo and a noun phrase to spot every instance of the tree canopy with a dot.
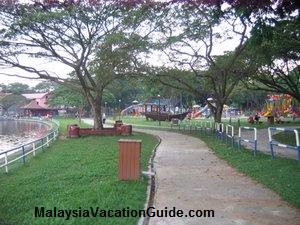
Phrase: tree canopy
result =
(207, 47)
(275, 50)
(99, 42)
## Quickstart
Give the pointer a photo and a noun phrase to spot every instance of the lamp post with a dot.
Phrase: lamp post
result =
(105, 109)
(158, 96)
(119, 109)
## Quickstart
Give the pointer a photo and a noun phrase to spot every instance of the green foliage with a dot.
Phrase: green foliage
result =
(65, 96)
(92, 39)
(245, 98)
(278, 41)
(44, 86)
(11, 100)
(16, 88)
(275, 50)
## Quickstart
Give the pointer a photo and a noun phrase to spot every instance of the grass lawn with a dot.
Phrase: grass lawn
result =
(73, 173)
(142, 121)
(288, 138)
(234, 121)
(280, 175)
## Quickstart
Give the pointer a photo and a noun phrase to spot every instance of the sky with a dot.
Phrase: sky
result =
(54, 67)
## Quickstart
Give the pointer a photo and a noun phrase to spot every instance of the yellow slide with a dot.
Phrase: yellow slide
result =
(268, 113)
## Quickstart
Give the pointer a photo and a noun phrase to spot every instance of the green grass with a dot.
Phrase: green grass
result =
(73, 173)
(280, 175)
(140, 121)
(286, 138)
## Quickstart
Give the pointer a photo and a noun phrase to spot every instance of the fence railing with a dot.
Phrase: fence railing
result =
(253, 141)
(20, 152)
(227, 132)
(276, 143)
(219, 129)
(230, 133)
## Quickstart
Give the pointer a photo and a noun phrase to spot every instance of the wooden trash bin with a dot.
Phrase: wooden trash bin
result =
(129, 159)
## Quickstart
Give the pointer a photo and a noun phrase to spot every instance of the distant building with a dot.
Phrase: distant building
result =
(38, 105)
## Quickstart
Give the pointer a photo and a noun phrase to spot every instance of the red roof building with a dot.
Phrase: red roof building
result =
(38, 105)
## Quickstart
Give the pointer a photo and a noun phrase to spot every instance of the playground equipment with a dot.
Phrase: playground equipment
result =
(280, 106)
(272, 142)
(197, 112)
(135, 110)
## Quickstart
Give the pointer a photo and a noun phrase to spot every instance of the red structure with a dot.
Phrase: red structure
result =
(38, 105)
(119, 129)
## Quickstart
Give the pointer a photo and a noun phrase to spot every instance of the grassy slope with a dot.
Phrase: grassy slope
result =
(73, 173)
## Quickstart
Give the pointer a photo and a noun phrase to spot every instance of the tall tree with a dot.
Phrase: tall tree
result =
(193, 34)
(99, 42)
(275, 50)
(247, 99)
(10, 100)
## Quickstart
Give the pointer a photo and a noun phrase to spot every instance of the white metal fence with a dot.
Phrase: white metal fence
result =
(10, 156)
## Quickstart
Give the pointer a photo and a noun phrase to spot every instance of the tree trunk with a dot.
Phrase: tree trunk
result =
(80, 112)
(96, 107)
(218, 112)
(95, 103)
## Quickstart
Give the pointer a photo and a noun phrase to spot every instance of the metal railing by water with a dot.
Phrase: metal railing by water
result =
(20, 152)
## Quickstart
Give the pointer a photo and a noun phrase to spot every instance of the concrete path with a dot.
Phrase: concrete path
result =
(190, 176)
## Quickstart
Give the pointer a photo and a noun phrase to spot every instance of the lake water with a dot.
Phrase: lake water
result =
(16, 132)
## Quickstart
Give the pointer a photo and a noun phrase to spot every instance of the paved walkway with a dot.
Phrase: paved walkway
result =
(189, 176)
(263, 144)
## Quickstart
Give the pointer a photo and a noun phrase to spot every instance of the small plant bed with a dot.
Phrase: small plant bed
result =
(280, 175)
(73, 173)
